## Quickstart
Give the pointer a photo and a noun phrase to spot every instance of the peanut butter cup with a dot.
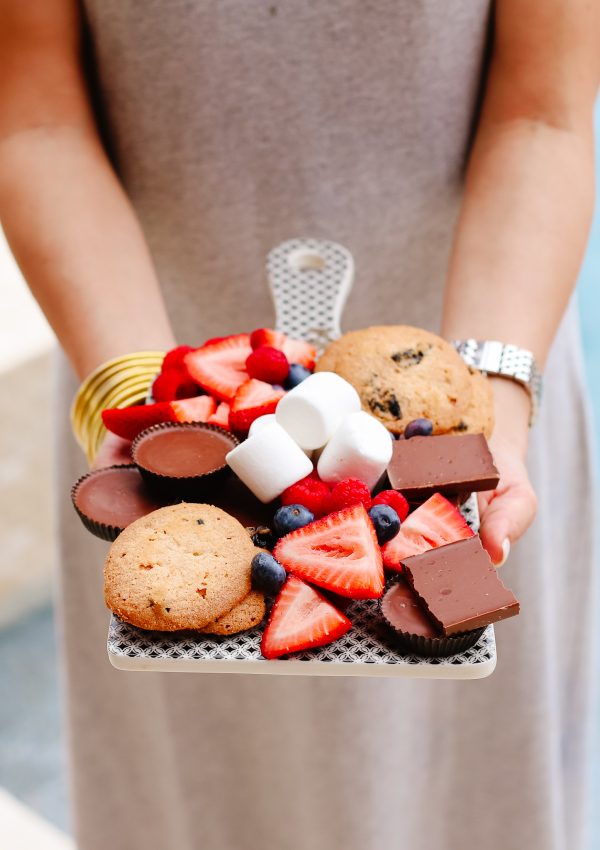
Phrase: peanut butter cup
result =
(108, 500)
(183, 460)
(411, 628)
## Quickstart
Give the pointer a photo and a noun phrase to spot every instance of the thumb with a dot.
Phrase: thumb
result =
(504, 519)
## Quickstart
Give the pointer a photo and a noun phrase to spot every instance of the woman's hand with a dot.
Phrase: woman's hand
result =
(114, 450)
(508, 511)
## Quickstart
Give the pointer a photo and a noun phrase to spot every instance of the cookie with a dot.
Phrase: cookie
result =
(246, 614)
(181, 567)
(478, 418)
(402, 373)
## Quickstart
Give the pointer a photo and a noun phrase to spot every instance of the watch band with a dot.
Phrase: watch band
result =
(506, 361)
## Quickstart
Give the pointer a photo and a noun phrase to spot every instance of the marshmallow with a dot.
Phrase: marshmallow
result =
(269, 461)
(264, 420)
(312, 411)
(260, 423)
(360, 448)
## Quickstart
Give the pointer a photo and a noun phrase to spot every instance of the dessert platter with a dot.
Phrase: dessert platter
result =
(301, 501)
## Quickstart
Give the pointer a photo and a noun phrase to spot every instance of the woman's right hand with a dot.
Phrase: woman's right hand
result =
(114, 450)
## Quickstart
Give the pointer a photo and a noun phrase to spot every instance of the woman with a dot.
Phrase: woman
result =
(231, 126)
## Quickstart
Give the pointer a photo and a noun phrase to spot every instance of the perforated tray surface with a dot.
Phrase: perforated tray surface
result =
(364, 651)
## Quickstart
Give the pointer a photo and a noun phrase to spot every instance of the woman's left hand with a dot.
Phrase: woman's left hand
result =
(508, 511)
(113, 451)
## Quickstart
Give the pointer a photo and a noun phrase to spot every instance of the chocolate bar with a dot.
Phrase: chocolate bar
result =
(459, 586)
(447, 464)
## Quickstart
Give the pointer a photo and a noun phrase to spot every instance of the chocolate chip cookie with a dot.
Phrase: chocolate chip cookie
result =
(181, 567)
(478, 418)
(403, 373)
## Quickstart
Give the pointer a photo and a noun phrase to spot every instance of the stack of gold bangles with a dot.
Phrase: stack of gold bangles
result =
(120, 382)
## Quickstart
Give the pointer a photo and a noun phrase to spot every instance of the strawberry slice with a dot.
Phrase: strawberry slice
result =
(253, 399)
(338, 552)
(301, 352)
(173, 383)
(435, 523)
(301, 618)
(128, 422)
(175, 357)
(221, 416)
(220, 368)
(198, 409)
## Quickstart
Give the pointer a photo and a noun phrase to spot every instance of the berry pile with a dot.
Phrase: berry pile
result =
(229, 381)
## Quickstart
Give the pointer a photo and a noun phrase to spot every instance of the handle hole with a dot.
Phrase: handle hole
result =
(306, 261)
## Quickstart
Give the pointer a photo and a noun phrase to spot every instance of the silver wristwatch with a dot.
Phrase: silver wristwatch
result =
(508, 361)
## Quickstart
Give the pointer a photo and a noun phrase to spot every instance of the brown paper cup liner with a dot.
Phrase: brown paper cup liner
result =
(188, 488)
(102, 530)
(429, 647)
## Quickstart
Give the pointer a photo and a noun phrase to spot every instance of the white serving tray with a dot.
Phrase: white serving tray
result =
(310, 280)
(364, 651)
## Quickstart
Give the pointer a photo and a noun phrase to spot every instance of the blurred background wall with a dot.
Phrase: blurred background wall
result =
(27, 553)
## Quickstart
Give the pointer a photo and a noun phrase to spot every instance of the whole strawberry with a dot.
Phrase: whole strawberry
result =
(268, 364)
(348, 492)
(310, 492)
(395, 500)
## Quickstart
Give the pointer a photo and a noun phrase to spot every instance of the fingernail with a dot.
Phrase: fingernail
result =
(505, 552)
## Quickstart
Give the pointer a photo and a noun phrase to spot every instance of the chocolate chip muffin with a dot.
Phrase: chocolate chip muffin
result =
(403, 373)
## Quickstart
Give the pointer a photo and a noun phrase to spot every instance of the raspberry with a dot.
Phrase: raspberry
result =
(395, 500)
(267, 337)
(174, 357)
(310, 492)
(348, 492)
(268, 364)
(173, 384)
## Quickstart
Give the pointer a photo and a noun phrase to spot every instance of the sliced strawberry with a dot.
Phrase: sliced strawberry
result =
(173, 383)
(128, 422)
(435, 523)
(253, 399)
(175, 357)
(220, 368)
(301, 618)
(339, 552)
(198, 409)
(221, 416)
(301, 352)
(266, 336)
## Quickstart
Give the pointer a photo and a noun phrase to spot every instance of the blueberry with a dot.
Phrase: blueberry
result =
(296, 375)
(419, 428)
(267, 573)
(386, 522)
(291, 517)
(262, 536)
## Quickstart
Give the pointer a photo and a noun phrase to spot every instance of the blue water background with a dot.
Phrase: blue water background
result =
(589, 302)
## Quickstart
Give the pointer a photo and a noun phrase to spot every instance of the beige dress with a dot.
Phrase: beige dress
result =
(236, 124)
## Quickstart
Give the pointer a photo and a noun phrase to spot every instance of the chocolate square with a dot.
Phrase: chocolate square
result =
(447, 464)
(460, 587)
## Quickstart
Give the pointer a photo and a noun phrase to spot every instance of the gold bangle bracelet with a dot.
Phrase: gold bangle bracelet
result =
(120, 382)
